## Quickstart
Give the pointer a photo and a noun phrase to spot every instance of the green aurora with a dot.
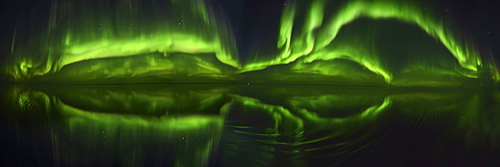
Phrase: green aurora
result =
(187, 41)
(387, 56)
(80, 31)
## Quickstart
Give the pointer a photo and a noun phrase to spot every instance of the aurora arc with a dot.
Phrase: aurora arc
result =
(320, 30)
(134, 28)
(124, 30)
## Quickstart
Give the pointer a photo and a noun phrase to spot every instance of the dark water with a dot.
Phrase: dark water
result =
(248, 125)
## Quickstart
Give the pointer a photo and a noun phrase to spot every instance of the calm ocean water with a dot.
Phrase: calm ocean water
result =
(248, 125)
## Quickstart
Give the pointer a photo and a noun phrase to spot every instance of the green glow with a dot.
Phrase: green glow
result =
(78, 117)
(318, 40)
(82, 31)
(369, 113)
(346, 125)
(191, 123)
(355, 104)
(82, 134)
(92, 108)
(106, 128)
(13, 41)
(284, 122)
(291, 121)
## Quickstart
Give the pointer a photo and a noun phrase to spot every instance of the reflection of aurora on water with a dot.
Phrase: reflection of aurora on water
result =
(199, 124)
(171, 83)
(351, 43)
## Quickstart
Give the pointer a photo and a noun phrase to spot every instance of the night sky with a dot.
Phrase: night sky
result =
(254, 22)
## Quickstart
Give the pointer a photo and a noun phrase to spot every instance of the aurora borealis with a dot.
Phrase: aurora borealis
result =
(317, 38)
(122, 41)
(249, 83)
(80, 31)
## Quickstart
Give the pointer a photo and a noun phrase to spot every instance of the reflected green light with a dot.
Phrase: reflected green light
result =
(81, 134)
(79, 117)
(307, 122)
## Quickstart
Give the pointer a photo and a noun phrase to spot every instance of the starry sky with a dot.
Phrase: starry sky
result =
(480, 19)
(253, 22)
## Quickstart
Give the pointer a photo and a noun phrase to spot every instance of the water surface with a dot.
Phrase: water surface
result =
(248, 125)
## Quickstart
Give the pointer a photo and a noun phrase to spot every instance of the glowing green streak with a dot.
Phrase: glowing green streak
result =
(286, 28)
(115, 128)
(162, 43)
(199, 134)
(13, 41)
(369, 113)
(311, 42)
(285, 123)
(305, 46)
(297, 123)
(299, 118)
(403, 11)
(78, 116)
(80, 31)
